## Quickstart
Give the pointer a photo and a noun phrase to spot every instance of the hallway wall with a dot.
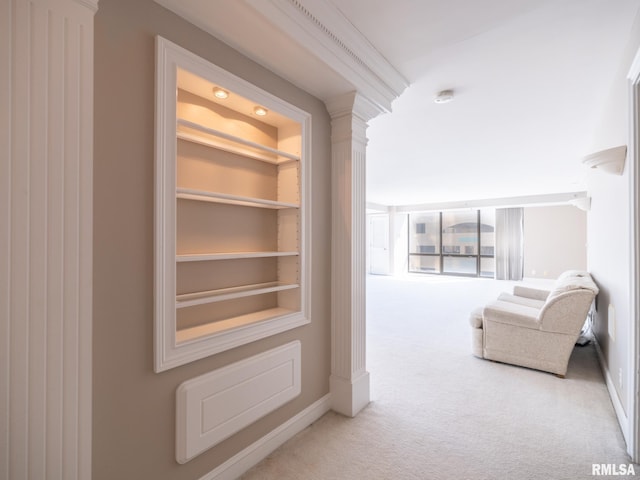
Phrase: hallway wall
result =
(555, 240)
(609, 230)
(133, 407)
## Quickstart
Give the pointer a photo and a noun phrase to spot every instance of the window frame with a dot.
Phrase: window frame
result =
(478, 256)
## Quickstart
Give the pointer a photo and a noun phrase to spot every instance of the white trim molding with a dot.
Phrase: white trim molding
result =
(623, 418)
(258, 451)
(46, 185)
(568, 198)
(633, 423)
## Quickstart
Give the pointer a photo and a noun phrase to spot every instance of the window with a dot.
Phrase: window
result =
(424, 243)
(424, 263)
(453, 242)
(426, 236)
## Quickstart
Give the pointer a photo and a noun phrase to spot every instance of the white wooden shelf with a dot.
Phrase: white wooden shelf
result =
(211, 137)
(216, 197)
(205, 257)
(222, 294)
(202, 331)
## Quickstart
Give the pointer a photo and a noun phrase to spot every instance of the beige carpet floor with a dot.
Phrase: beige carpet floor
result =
(439, 413)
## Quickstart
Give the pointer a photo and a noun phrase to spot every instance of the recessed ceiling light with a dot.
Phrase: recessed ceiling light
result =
(261, 111)
(444, 96)
(220, 93)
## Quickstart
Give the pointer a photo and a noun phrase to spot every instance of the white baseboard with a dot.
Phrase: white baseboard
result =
(623, 420)
(256, 452)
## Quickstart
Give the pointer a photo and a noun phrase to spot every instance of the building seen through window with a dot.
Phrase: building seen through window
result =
(453, 242)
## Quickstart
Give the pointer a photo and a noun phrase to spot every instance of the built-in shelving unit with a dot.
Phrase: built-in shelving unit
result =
(231, 191)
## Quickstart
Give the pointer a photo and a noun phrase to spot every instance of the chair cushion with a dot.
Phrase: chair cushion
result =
(512, 314)
(527, 302)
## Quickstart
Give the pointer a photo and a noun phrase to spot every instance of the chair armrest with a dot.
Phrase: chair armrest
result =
(511, 314)
(532, 293)
(566, 312)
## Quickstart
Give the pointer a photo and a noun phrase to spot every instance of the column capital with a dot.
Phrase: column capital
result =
(350, 113)
(353, 103)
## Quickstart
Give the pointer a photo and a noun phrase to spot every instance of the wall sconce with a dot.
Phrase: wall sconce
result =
(610, 160)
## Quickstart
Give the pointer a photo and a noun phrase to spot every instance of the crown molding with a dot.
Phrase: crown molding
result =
(548, 199)
(322, 29)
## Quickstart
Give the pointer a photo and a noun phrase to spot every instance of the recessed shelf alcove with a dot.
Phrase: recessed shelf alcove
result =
(231, 200)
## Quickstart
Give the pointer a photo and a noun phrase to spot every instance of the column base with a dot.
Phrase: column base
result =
(349, 397)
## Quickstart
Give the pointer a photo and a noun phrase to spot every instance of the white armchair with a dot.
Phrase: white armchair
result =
(534, 328)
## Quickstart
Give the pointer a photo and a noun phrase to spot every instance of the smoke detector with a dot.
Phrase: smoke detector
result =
(444, 96)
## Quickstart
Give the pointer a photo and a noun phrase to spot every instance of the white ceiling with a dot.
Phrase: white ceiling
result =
(531, 81)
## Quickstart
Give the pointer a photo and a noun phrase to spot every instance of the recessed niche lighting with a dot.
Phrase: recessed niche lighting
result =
(260, 111)
(220, 93)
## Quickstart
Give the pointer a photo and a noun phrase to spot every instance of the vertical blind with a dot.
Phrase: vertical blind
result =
(509, 243)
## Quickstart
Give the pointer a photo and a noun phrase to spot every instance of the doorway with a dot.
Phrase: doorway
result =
(378, 238)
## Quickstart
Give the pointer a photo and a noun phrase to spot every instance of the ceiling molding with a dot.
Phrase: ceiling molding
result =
(373, 208)
(524, 201)
(320, 28)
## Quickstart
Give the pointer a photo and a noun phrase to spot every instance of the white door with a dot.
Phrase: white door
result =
(379, 244)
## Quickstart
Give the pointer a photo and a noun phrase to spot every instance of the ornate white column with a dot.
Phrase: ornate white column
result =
(349, 378)
(46, 185)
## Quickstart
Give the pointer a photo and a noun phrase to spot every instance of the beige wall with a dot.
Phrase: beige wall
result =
(609, 231)
(555, 240)
(134, 408)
